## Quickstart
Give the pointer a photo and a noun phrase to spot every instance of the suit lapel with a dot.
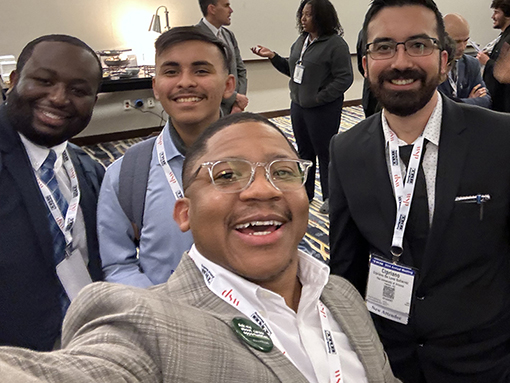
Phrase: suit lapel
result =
(378, 175)
(188, 280)
(16, 162)
(453, 149)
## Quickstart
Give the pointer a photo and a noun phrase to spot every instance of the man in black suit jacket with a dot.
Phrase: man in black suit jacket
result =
(216, 16)
(54, 89)
(457, 328)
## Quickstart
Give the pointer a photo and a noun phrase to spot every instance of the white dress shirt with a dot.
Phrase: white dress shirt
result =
(299, 333)
(431, 133)
(37, 155)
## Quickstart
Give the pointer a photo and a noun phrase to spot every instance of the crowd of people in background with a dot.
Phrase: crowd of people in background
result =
(200, 227)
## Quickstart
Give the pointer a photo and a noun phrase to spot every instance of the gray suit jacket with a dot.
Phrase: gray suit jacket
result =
(236, 67)
(178, 332)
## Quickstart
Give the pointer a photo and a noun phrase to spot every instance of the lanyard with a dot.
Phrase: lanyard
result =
(305, 45)
(65, 224)
(403, 192)
(453, 84)
(216, 281)
(170, 176)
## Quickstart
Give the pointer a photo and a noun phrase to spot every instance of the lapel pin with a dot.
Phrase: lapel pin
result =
(252, 334)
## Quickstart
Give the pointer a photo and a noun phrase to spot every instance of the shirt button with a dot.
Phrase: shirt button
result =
(421, 298)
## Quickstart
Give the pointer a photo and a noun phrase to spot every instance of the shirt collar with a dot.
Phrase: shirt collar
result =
(432, 130)
(312, 273)
(37, 154)
(211, 27)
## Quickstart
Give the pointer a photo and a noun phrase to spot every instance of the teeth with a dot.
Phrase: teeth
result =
(51, 115)
(402, 81)
(260, 233)
(258, 223)
(188, 99)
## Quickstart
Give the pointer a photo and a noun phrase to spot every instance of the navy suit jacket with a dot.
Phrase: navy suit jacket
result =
(461, 302)
(468, 76)
(30, 313)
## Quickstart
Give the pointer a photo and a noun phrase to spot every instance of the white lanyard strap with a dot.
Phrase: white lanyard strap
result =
(214, 281)
(335, 368)
(66, 225)
(453, 84)
(170, 176)
(403, 191)
(305, 45)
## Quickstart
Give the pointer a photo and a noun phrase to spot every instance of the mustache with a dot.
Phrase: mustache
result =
(395, 74)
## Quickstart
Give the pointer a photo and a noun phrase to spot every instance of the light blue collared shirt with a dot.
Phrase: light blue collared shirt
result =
(161, 241)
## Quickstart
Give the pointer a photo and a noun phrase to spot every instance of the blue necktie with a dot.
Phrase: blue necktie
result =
(47, 175)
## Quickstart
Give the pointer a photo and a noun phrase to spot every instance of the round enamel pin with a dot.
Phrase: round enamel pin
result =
(252, 334)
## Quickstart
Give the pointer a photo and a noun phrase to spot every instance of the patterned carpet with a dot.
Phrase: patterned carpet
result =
(317, 237)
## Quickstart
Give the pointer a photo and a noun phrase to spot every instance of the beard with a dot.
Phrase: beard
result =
(20, 113)
(404, 103)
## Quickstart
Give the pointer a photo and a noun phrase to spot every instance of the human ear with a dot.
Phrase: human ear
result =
(181, 213)
(230, 86)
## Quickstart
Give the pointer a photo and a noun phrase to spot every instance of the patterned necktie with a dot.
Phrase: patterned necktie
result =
(47, 175)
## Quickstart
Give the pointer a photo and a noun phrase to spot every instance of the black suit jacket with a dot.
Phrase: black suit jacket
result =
(500, 93)
(462, 293)
(30, 313)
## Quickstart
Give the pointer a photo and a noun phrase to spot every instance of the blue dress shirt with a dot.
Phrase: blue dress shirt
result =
(161, 241)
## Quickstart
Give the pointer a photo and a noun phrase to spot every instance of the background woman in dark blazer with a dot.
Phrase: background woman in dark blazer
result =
(320, 69)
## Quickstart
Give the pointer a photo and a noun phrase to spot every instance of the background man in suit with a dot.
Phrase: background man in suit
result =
(191, 80)
(455, 238)
(244, 305)
(216, 16)
(500, 92)
(54, 89)
(464, 82)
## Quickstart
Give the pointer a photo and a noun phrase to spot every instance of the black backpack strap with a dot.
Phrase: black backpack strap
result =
(133, 179)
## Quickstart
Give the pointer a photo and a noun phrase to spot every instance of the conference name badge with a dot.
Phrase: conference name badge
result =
(389, 289)
(73, 274)
(299, 70)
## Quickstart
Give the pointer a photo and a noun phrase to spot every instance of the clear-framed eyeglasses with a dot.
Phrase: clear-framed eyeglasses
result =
(415, 47)
(236, 175)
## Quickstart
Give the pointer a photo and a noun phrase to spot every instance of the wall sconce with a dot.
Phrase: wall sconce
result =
(156, 23)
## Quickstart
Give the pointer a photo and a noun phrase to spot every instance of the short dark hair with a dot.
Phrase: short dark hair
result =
(199, 147)
(504, 5)
(324, 17)
(179, 35)
(204, 4)
(27, 51)
(377, 5)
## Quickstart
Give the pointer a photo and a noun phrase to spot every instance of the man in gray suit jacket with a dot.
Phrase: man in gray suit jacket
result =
(244, 305)
(216, 16)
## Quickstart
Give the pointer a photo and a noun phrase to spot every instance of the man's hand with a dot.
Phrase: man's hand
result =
(235, 109)
(261, 51)
(502, 66)
(478, 91)
(241, 101)
(482, 58)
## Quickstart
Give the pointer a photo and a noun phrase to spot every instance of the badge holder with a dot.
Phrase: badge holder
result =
(390, 288)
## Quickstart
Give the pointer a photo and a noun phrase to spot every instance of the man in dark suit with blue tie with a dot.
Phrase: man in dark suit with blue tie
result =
(434, 256)
(216, 16)
(48, 190)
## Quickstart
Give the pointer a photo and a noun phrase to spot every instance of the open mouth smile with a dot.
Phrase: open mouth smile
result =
(259, 228)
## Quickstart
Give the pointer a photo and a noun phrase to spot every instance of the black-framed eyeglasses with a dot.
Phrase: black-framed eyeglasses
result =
(415, 46)
(235, 175)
